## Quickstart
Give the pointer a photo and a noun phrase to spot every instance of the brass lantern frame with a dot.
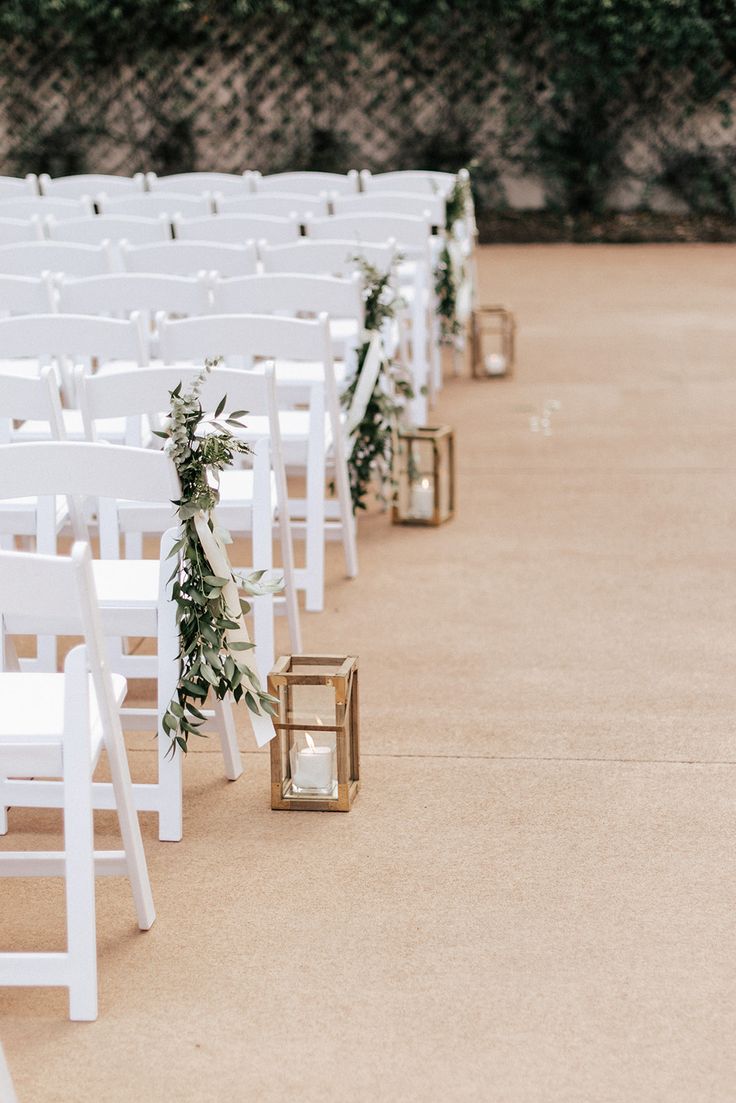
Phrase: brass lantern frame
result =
(293, 670)
(492, 321)
(437, 436)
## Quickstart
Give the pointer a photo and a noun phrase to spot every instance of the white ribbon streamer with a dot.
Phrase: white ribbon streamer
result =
(218, 559)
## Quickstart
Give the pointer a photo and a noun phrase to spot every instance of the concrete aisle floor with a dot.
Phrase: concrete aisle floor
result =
(533, 900)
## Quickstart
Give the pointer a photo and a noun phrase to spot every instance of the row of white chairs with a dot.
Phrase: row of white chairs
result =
(316, 255)
(197, 183)
(155, 218)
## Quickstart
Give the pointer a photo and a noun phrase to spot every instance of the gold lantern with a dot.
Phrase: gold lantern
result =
(315, 755)
(493, 342)
(424, 476)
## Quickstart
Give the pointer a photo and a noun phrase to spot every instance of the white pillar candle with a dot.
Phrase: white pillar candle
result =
(495, 364)
(313, 766)
(422, 499)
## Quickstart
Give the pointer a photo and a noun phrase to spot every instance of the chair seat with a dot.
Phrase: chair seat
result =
(308, 371)
(29, 368)
(236, 492)
(32, 722)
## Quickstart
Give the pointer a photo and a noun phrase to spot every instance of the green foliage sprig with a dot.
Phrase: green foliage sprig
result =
(447, 278)
(201, 447)
(373, 439)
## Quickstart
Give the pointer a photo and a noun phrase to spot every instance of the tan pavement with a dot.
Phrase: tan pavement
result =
(533, 899)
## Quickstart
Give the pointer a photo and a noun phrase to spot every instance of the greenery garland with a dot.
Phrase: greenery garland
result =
(373, 438)
(210, 661)
(447, 275)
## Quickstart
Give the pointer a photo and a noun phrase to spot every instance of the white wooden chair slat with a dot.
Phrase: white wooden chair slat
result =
(188, 258)
(306, 183)
(86, 184)
(281, 204)
(199, 183)
(238, 229)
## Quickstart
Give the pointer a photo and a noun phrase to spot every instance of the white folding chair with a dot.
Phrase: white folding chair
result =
(306, 183)
(12, 186)
(249, 498)
(91, 183)
(13, 230)
(418, 205)
(27, 206)
(156, 204)
(109, 227)
(199, 183)
(33, 258)
(295, 294)
(188, 258)
(310, 438)
(57, 725)
(66, 340)
(134, 594)
(279, 204)
(237, 229)
(7, 1091)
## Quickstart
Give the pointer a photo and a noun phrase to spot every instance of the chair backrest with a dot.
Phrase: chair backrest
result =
(334, 258)
(12, 186)
(78, 335)
(152, 205)
(238, 229)
(91, 183)
(412, 180)
(26, 295)
(199, 183)
(290, 293)
(109, 227)
(84, 469)
(307, 183)
(187, 258)
(409, 233)
(28, 205)
(14, 230)
(42, 592)
(34, 399)
(130, 393)
(122, 293)
(250, 335)
(32, 258)
(280, 204)
(418, 204)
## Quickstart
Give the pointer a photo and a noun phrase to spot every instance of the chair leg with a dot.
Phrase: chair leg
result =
(315, 534)
(170, 815)
(347, 517)
(3, 810)
(130, 830)
(225, 724)
(80, 878)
